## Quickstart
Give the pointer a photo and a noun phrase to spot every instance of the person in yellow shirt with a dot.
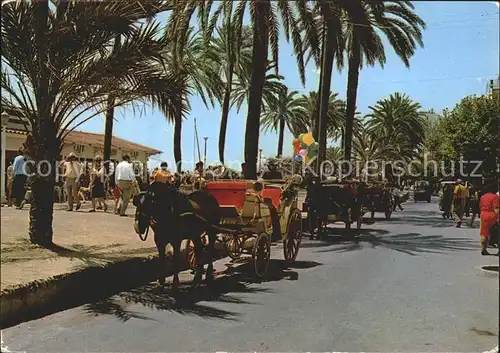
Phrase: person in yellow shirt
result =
(162, 175)
(460, 194)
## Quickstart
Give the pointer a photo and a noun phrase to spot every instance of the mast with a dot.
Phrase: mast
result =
(197, 140)
(194, 143)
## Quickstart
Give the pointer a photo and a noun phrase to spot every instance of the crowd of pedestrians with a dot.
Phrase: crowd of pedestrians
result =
(463, 199)
(76, 184)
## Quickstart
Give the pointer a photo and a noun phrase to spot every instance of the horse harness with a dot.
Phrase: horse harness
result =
(152, 222)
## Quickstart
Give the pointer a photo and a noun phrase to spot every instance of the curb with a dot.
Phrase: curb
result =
(47, 296)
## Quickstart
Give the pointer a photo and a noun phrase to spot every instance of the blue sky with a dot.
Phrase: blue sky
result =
(460, 56)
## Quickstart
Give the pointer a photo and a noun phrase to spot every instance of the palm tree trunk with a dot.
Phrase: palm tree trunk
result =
(108, 131)
(352, 89)
(177, 139)
(44, 148)
(42, 144)
(110, 116)
(318, 100)
(225, 113)
(342, 138)
(326, 75)
(259, 63)
(281, 137)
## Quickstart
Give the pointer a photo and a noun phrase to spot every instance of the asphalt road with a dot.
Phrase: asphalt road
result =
(412, 283)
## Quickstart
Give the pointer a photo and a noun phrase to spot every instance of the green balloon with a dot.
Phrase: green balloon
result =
(301, 137)
(312, 153)
(314, 146)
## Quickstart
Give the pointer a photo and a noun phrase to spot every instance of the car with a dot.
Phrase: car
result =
(422, 191)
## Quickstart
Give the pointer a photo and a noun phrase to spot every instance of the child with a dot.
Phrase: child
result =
(116, 196)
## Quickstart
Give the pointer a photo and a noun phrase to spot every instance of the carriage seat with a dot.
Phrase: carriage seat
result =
(254, 207)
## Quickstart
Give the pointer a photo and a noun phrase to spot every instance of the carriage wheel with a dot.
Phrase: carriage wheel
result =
(234, 246)
(261, 255)
(359, 221)
(291, 243)
(191, 250)
(191, 254)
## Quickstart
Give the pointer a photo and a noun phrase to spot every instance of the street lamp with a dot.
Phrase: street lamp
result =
(205, 153)
(5, 121)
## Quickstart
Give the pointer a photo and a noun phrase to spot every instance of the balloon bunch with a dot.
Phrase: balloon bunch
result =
(305, 148)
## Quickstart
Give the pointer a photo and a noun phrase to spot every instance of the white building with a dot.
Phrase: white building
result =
(85, 145)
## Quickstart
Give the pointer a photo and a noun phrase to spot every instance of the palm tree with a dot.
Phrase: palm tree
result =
(334, 154)
(233, 59)
(286, 113)
(335, 115)
(59, 84)
(273, 85)
(369, 148)
(402, 28)
(149, 10)
(199, 70)
(399, 121)
(265, 26)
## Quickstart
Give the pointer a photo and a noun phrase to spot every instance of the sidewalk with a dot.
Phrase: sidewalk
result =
(84, 240)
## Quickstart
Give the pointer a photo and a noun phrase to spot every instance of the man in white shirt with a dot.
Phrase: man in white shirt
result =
(124, 178)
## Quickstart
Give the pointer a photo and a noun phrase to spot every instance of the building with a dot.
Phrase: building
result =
(84, 145)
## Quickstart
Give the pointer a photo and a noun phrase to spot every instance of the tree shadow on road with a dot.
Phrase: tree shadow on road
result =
(422, 221)
(235, 280)
(335, 236)
(408, 243)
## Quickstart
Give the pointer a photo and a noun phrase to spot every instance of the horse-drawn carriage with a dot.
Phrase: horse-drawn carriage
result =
(254, 212)
(332, 201)
(378, 198)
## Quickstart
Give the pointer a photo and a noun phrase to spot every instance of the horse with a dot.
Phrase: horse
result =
(173, 217)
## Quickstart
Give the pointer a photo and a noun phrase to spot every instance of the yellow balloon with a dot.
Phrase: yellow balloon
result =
(308, 139)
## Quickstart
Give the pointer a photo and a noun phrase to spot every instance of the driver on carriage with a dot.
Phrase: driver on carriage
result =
(162, 175)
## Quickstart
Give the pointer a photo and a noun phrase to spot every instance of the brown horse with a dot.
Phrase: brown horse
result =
(174, 217)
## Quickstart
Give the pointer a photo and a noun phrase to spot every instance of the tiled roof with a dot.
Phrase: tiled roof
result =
(80, 137)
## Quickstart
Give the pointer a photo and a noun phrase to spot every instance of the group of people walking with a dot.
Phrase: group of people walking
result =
(124, 183)
(464, 199)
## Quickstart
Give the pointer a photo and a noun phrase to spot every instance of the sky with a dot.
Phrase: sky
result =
(461, 54)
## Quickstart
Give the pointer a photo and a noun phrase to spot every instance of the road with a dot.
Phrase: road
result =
(412, 283)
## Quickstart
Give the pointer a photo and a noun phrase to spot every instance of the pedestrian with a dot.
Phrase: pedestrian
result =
(10, 179)
(474, 195)
(459, 198)
(72, 174)
(488, 206)
(97, 192)
(28, 198)
(398, 198)
(20, 177)
(124, 177)
(243, 167)
(163, 175)
(117, 198)
(199, 170)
